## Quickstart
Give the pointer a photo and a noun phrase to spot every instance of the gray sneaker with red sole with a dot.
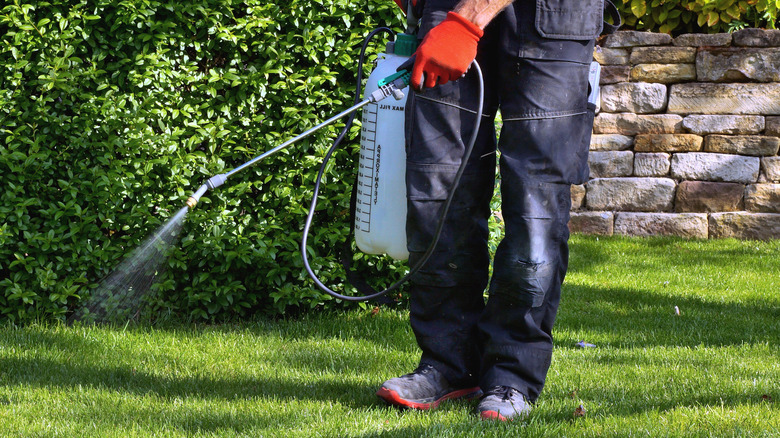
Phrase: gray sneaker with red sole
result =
(504, 404)
(423, 389)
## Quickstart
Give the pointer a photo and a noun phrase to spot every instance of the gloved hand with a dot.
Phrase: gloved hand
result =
(446, 52)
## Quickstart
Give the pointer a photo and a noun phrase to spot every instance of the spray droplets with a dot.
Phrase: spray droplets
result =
(120, 296)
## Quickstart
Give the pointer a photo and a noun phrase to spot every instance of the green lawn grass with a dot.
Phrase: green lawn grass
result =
(712, 370)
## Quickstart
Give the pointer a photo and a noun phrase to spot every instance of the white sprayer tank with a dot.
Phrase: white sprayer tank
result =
(380, 211)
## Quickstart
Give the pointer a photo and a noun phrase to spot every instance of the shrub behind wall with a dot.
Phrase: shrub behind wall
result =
(706, 16)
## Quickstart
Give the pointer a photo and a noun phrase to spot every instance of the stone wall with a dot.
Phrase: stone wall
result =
(686, 141)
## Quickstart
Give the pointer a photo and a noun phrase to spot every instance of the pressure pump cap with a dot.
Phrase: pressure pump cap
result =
(405, 44)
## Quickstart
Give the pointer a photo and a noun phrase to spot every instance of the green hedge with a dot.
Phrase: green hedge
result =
(113, 112)
(710, 16)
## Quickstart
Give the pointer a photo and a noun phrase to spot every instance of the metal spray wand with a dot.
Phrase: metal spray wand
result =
(390, 86)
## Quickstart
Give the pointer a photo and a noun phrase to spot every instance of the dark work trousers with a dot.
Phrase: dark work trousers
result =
(540, 85)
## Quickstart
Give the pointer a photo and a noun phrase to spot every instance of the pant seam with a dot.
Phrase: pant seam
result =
(555, 115)
(450, 105)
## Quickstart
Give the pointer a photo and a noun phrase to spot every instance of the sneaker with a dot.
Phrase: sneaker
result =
(423, 389)
(503, 403)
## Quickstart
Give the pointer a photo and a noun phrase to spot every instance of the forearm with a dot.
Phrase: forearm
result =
(480, 12)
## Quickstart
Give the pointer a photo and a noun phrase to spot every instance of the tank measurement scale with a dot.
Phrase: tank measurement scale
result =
(367, 174)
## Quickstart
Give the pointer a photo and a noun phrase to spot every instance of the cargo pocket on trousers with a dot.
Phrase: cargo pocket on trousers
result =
(429, 182)
(569, 19)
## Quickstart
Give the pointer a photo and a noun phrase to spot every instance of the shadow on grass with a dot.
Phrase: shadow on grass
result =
(66, 359)
(646, 315)
(625, 317)
(646, 318)
(52, 373)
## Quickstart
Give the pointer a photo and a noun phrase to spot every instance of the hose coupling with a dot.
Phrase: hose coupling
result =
(216, 180)
(192, 201)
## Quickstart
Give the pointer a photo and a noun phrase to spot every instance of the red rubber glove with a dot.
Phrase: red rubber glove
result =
(446, 52)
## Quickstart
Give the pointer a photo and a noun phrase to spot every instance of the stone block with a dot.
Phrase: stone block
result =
(770, 167)
(723, 124)
(668, 143)
(754, 145)
(688, 225)
(763, 198)
(633, 97)
(756, 38)
(703, 40)
(592, 222)
(577, 196)
(606, 56)
(708, 98)
(633, 124)
(664, 73)
(705, 166)
(663, 55)
(738, 65)
(652, 164)
(744, 225)
(631, 194)
(606, 164)
(632, 38)
(614, 74)
(610, 142)
(708, 197)
(772, 126)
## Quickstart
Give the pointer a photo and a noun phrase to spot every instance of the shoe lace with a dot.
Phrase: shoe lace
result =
(505, 392)
(423, 368)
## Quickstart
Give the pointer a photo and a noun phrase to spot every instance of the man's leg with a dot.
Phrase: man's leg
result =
(543, 150)
(529, 268)
(447, 293)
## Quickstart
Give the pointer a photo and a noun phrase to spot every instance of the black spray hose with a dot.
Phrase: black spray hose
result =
(442, 214)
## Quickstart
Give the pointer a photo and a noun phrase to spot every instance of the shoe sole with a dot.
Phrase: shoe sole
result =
(392, 397)
(492, 416)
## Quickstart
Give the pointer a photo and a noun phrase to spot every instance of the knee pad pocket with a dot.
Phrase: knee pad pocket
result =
(523, 283)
